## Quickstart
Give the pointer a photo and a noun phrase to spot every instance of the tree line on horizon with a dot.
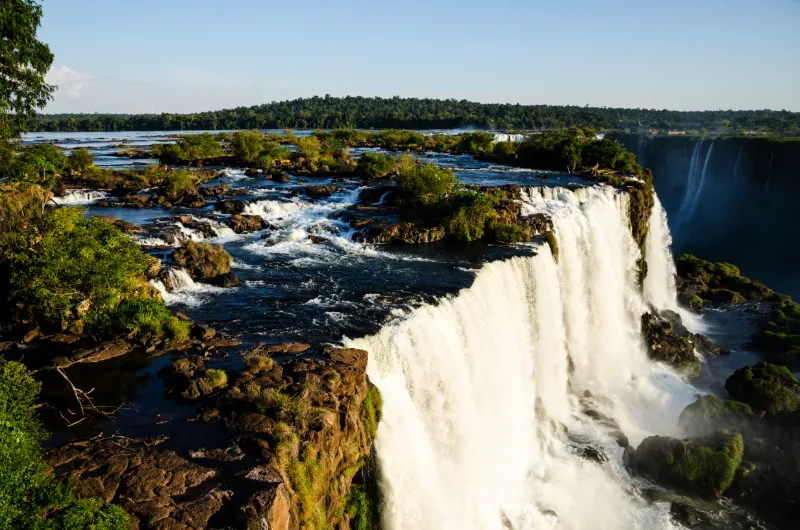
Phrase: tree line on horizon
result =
(414, 113)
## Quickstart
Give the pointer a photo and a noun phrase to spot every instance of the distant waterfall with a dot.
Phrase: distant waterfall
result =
(736, 167)
(695, 183)
(486, 393)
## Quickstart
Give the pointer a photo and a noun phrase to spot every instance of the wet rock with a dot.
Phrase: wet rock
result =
(230, 207)
(773, 389)
(320, 192)
(227, 279)
(284, 348)
(401, 233)
(374, 195)
(243, 224)
(710, 413)
(31, 335)
(125, 226)
(213, 191)
(539, 223)
(189, 378)
(684, 514)
(103, 352)
(203, 332)
(704, 466)
(202, 261)
(349, 356)
(233, 453)
(669, 341)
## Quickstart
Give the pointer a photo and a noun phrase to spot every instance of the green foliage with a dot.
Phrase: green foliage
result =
(425, 183)
(510, 233)
(400, 140)
(766, 387)
(723, 282)
(474, 143)
(358, 508)
(372, 411)
(73, 261)
(80, 159)
(415, 113)
(25, 62)
(177, 183)
(781, 334)
(375, 165)
(29, 497)
(216, 378)
(308, 146)
(472, 212)
(608, 154)
(247, 146)
(561, 151)
(147, 318)
(696, 303)
(505, 150)
(283, 407)
(37, 164)
(189, 148)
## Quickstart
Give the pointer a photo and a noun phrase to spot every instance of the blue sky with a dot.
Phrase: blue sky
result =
(193, 55)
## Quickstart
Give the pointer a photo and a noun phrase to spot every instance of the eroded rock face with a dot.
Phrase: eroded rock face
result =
(159, 489)
(296, 429)
(402, 233)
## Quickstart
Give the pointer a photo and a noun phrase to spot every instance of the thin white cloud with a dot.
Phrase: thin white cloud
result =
(70, 82)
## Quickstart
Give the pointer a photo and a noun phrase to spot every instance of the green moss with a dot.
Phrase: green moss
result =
(553, 243)
(710, 413)
(713, 467)
(308, 479)
(372, 411)
(766, 387)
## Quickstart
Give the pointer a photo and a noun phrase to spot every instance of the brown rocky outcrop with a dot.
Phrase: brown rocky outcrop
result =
(242, 224)
(401, 233)
(669, 341)
(207, 263)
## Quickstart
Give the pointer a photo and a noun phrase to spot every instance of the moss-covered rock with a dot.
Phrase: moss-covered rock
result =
(704, 466)
(718, 284)
(205, 262)
(710, 413)
(766, 387)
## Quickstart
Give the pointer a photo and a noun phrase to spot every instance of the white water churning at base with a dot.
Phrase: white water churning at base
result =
(486, 393)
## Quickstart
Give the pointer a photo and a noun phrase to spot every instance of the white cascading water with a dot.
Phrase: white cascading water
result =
(184, 289)
(659, 287)
(484, 404)
(80, 197)
(695, 184)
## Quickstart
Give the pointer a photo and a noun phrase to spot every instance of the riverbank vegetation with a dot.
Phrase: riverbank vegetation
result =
(414, 113)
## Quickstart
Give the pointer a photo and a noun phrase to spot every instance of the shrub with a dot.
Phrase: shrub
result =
(308, 146)
(74, 261)
(178, 183)
(505, 149)
(29, 496)
(147, 318)
(188, 149)
(425, 183)
(246, 146)
(608, 154)
(375, 165)
(696, 303)
(474, 143)
(395, 139)
(216, 378)
(37, 164)
(472, 212)
(80, 159)
(259, 363)
(510, 233)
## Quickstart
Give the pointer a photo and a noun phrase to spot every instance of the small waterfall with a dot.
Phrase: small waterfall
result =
(769, 173)
(503, 137)
(486, 393)
(736, 167)
(695, 184)
(659, 285)
(79, 197)
(184, 289)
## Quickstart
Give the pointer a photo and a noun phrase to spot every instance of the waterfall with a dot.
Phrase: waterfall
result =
(486, 393)
(695, 184)
(659, 285)
(184, 289)
(736, 167)
(80, 197)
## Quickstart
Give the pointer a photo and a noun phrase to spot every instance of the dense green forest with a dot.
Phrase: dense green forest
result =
(412, 113)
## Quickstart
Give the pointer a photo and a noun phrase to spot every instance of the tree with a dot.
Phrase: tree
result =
(24, 61)
(246, 146)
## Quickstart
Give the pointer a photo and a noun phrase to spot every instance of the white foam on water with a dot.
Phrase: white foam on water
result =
(186, 291)
(80, 197)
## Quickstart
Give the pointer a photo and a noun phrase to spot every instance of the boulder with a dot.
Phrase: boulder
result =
(401, 233)
(204, 262)
(766, 387)
(320, 192)
(705, 466)
(669, 341)
(710, 414)
(242, 224)
(230, 207)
